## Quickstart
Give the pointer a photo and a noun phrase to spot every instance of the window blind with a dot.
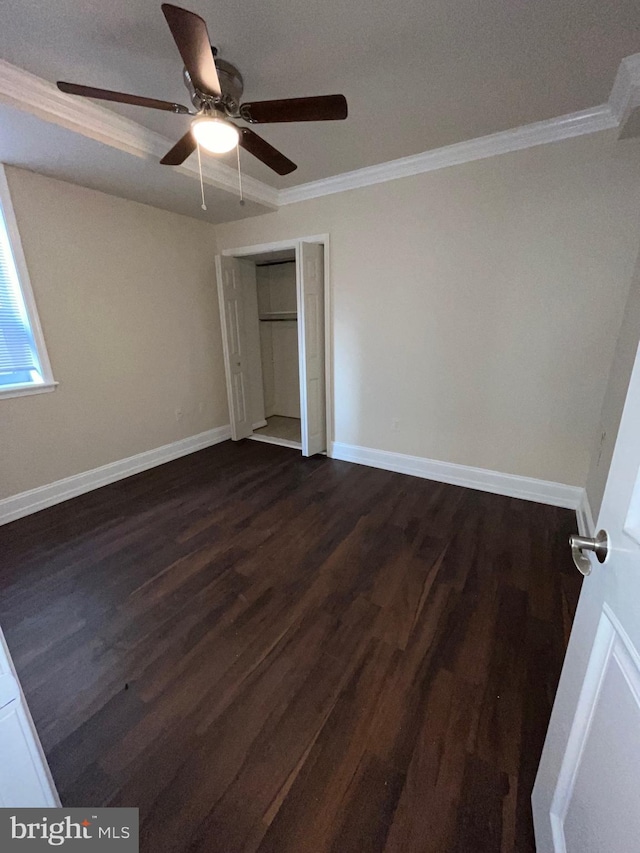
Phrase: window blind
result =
(17, 348)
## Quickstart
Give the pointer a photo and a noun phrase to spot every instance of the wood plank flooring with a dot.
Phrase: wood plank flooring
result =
(267, 653)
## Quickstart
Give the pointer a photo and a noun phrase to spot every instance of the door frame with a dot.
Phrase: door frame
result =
(294, 243)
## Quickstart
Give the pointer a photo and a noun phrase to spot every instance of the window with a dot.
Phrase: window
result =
(24, 365)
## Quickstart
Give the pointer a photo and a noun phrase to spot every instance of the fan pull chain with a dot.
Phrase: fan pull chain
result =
(240, 176)
(203, 205)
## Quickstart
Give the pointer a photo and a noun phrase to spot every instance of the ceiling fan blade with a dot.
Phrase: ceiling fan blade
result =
(265, 152)
(190, 35)
(321, 108)
(120, 97)
(180, 151)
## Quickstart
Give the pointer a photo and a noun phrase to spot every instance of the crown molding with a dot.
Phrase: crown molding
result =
(624, 98)
(32, 94)
(29, 93)
(625, 94)
(527, 136)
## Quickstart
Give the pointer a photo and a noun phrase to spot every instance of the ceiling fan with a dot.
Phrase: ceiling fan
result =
(215, 88)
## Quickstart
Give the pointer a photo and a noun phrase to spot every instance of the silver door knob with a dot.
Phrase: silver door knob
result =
(599, 545)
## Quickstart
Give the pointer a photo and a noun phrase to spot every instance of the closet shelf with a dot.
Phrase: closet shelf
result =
(279, 315)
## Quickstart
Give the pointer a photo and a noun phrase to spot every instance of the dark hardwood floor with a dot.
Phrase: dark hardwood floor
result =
(266, 653)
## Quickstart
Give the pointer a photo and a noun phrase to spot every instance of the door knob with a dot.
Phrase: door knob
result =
(599, 545)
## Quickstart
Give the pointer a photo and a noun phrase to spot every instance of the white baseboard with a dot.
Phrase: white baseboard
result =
(510, 485)
(25, 503)
(527, 488)
(259, 425)
(586, 524)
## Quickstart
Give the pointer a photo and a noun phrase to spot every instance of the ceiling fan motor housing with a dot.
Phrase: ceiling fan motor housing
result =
(231, 83)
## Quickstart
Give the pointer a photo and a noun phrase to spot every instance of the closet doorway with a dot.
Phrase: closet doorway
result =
(272, 306)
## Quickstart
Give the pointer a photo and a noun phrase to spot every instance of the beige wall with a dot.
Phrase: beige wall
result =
(127, 299)
(615, 396)
(480, 304)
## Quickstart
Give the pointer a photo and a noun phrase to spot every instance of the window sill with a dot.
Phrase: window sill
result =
(26, 390)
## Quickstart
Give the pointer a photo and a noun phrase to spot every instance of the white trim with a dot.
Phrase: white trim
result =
(259, 424)
(611, 643)
(538, 133)
(328, 336)
(294, 243)
(302, 354)
(34, 500)
(276, 246)
(625, 94)
(272, 439)
(510, 485)
(624, 97)
(32, 94)
(586, 525)
(27, 390)
(24, 281)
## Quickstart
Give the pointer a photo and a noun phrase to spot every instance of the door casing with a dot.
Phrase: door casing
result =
(294, 243)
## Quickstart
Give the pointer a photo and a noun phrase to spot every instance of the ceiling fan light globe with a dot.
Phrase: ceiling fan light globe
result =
(215, 134)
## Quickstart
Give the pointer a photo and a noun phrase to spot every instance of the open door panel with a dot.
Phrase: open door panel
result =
(236, 361)
(25, 779)
(310, 259)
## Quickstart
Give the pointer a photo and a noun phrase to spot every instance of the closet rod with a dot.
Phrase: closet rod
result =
(278, 320)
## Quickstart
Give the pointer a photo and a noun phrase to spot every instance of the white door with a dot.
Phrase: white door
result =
(310, 260)
(586, 798)
(234, 345)
(25, 779)
(253, 352)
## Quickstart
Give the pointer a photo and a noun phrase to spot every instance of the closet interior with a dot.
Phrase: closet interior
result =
(278, 331)
(272, 304)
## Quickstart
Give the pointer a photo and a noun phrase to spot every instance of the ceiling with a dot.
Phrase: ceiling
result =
(31, 143)
(417, 75)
